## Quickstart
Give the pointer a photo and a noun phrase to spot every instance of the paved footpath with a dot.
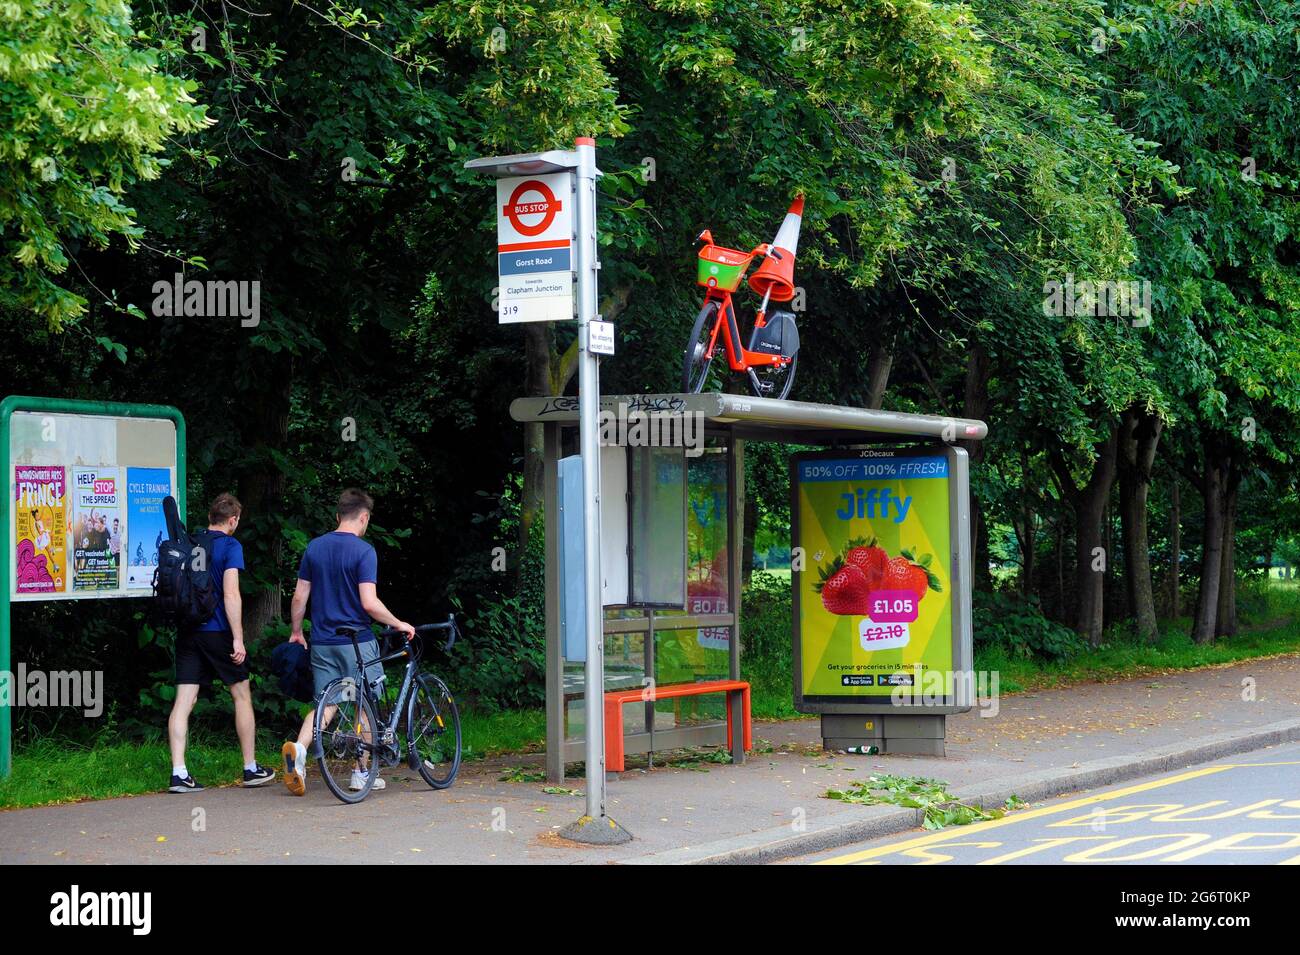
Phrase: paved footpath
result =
(1039, 744)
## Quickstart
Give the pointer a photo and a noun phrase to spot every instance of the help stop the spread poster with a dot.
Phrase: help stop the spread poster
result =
(96, 529)
(875, 596)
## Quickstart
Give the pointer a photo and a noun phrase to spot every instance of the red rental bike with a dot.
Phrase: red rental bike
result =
(773, 353)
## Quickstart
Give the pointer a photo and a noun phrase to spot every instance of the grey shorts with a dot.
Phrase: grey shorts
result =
(331, 661)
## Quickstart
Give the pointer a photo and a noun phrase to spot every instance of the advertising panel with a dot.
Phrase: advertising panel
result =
(878, 602)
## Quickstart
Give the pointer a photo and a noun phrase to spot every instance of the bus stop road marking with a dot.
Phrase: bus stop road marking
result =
(962, 832)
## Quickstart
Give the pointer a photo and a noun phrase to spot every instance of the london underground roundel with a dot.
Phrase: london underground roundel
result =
(532, 207)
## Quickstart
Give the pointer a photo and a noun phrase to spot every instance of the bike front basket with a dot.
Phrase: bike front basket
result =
(722, 268)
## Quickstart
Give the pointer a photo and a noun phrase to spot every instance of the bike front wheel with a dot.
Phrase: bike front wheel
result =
(343, 732)
(769, 381)
(433, 732)
(697, 361)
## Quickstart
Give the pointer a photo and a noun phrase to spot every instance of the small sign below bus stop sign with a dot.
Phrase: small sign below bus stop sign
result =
(535, 248)
(600, 337)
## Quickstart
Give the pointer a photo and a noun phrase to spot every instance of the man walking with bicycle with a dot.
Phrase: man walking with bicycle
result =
(339, 575)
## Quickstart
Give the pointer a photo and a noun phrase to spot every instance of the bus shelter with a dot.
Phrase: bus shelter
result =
(672, 506)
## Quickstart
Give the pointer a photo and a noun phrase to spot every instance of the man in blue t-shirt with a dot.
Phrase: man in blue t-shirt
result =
(339, 574)
(215, 650)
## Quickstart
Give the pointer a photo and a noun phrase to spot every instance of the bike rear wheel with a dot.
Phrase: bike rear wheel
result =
(433, 731)
(343, 731)
(696, 363)
(769, 381)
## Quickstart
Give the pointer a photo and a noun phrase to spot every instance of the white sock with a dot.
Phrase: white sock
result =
(180, 771)
(250, 767)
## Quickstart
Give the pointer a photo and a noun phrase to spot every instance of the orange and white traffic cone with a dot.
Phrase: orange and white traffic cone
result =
(774, 278)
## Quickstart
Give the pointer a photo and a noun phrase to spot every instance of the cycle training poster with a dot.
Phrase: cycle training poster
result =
(146, 525)
(875, 594)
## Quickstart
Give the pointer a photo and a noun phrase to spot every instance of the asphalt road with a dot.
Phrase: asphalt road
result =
(1242, 810)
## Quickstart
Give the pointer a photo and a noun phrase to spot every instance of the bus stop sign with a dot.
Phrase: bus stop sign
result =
(535, 248)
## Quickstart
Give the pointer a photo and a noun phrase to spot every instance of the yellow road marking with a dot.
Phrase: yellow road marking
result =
(1040, 845)
(978, 827)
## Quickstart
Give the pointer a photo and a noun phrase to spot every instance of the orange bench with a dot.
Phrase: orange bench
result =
(615, 699)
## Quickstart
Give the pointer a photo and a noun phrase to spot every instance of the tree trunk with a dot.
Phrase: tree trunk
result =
(539, 338)
(1089, 576)
(1139, 435)
(981, 576)
(975, 404)
(1108, 600)
(749, 529)
(1226, 608)
(1175, 549)
(1060, 571)
(1026, 537)
(1207, 598)
(879, 364)
(261, 491)
(1089, 556)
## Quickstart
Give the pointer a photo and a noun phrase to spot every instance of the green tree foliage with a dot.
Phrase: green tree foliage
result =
(86, 112)
(1208, 82)
(959, 161)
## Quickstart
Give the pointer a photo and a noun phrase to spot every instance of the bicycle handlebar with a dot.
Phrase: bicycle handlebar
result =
(761, 249)
(449, 625)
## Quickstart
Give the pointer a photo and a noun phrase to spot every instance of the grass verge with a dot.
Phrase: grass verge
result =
(48, 772)
(1125, 657)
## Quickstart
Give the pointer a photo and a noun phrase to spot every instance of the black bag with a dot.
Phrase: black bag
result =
(185, 595)
(291, 664)
(779, 336)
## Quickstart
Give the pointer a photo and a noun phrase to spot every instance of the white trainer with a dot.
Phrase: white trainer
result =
(295, 767)
(359, 782)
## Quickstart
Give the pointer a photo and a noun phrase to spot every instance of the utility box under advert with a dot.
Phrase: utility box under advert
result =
(882, 604)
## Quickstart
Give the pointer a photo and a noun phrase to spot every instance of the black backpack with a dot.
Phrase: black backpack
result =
(185, 595)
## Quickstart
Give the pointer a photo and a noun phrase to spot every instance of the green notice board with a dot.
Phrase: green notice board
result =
(82, 509)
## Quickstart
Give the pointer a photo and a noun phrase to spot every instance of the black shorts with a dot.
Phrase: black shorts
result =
(204, 655)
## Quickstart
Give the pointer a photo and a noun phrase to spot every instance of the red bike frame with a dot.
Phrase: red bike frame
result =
(739, 357)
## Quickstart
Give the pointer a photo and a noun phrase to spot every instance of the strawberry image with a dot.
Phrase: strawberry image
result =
(872, 560)
(844, 589)
(907, 573)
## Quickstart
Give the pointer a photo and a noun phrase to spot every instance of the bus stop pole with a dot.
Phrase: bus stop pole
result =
(595, 826)
(588, 423)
